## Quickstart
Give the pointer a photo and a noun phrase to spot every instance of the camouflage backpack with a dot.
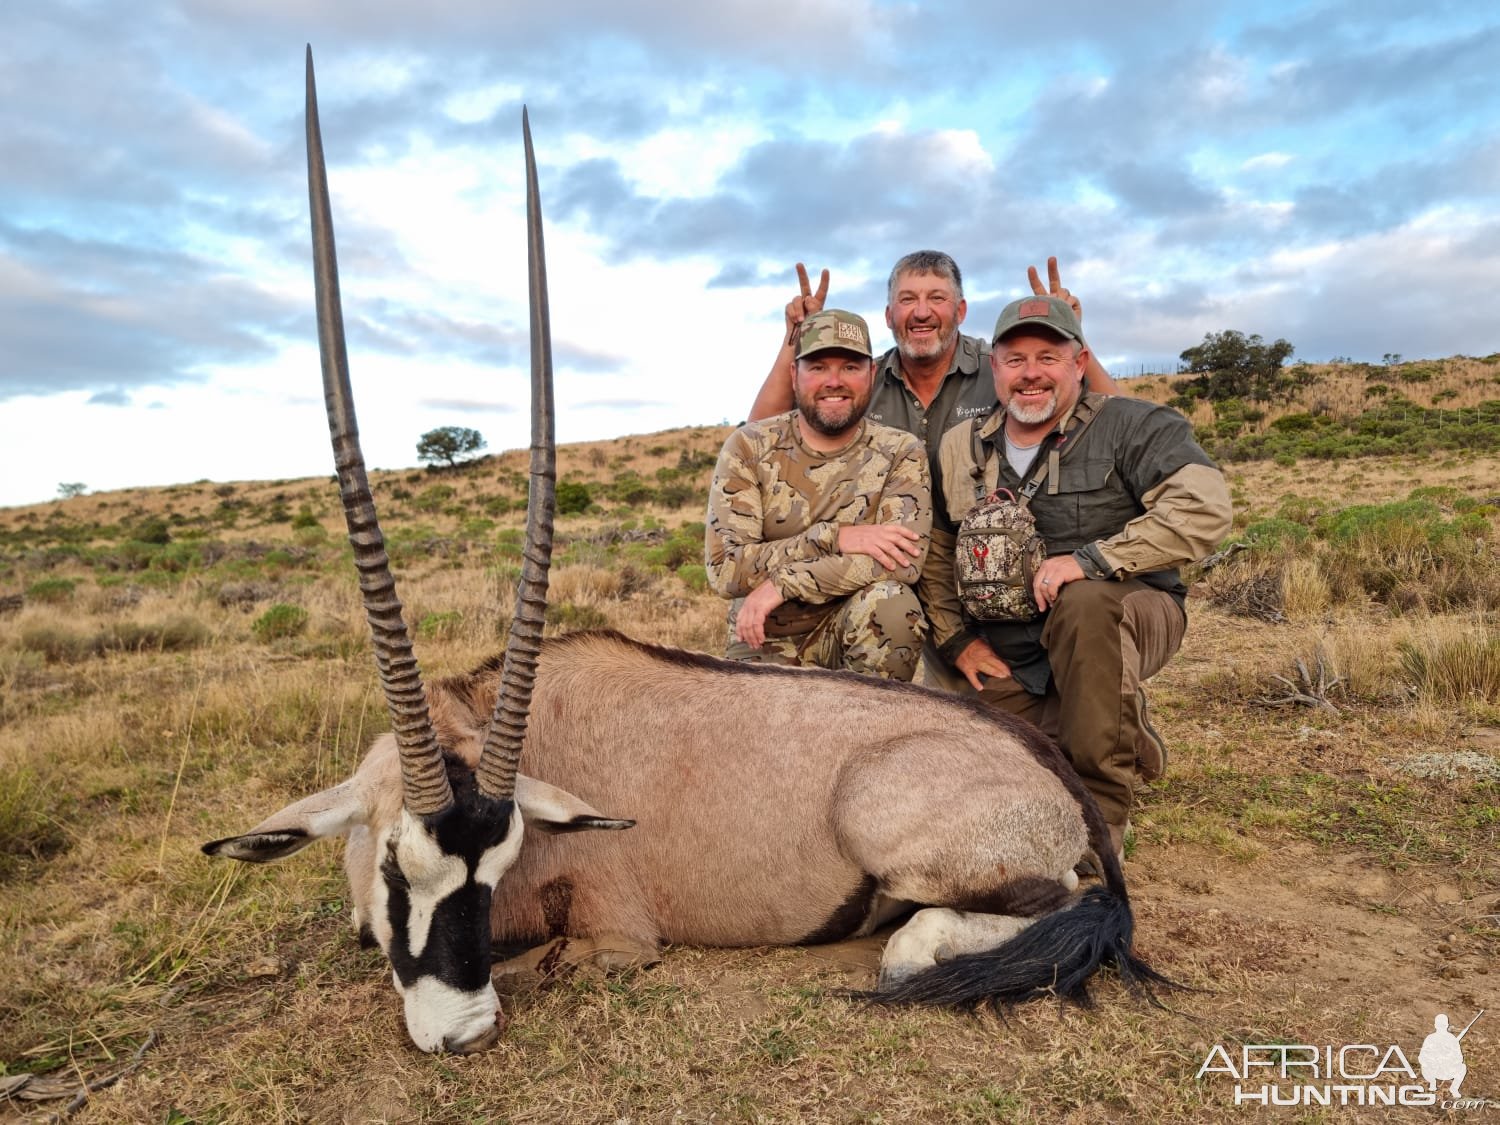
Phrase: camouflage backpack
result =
(999, 550)
(998, 554)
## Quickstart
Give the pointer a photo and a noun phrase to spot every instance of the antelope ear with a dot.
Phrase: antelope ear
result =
(550, 809)
(329, 813)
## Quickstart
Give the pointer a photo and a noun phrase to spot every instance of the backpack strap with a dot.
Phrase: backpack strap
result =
(1088, 408)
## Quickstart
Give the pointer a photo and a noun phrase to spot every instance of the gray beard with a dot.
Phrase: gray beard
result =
(939, 345)
(1032, 415)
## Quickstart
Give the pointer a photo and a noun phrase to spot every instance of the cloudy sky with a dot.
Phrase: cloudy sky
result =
(1324, 172)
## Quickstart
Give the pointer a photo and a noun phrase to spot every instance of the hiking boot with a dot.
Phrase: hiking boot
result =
(1150, 748)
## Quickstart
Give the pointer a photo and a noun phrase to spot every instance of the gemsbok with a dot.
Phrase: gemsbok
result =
(767, 806)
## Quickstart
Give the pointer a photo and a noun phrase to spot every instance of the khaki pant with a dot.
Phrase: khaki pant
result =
(1103, 639)
(877, 630)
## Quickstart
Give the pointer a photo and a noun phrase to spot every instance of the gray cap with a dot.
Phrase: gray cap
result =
(1042, 312)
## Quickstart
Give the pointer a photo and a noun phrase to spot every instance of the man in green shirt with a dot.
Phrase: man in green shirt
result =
(1127, 498)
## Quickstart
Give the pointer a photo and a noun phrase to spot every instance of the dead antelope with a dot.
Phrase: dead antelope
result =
(770, 806)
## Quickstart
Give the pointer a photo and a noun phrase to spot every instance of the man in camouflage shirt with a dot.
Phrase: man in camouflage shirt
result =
(818, 520)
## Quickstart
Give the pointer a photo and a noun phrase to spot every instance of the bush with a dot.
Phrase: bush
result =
(1453, 669)
(572, 498)
(171, 634)
(53, 591)
(432, 499)
(567, 617)
(280, 622)
(154, 531)
(440, 626)
(1274, 535)
(695, 576)
(62, 645)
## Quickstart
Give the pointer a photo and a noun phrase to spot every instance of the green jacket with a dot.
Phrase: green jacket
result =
(1131, 496)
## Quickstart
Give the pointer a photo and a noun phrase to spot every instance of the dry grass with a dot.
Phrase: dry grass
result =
(1286, 867)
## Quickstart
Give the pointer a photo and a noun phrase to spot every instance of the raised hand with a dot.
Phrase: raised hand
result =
(802, 306)
(1054, 287)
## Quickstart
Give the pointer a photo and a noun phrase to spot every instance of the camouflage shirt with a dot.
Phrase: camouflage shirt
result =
(775, 508)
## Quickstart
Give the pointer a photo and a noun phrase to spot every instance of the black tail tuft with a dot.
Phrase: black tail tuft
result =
(1055, 955)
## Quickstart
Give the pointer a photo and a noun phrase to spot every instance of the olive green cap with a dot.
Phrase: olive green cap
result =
(834, 328)
(1042, 312)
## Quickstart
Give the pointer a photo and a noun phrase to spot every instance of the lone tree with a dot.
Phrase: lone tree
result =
(1233, 365)
(448, 446)
(71, 488)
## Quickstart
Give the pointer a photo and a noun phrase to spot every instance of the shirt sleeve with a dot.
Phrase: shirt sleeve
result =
(1186, 517)
(938, 588)
(737, 555)
(905, 497)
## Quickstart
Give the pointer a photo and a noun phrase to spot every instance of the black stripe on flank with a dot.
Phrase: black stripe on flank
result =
(848, 918)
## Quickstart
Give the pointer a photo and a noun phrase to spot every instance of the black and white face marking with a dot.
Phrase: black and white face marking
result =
(431, 915)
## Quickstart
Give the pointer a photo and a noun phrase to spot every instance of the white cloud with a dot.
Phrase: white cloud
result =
(1265, 160)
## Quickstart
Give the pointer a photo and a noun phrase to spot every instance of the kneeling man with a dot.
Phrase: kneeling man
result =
(1125, 498)
(818, 520)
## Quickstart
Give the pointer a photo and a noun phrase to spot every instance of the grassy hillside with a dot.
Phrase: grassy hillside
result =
(176, 662)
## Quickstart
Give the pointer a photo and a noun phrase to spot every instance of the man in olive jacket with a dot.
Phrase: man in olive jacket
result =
(1127, 499)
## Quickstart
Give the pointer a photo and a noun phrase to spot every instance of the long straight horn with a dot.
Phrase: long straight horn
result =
(502, 741)
(424, 780)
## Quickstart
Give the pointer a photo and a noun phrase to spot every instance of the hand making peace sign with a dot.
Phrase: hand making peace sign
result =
(1054, 287)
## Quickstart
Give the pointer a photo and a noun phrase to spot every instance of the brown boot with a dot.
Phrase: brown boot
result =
(1150, 748)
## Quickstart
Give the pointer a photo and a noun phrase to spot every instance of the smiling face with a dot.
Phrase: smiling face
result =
(832, 390)
(924, 314)
(1038, 378)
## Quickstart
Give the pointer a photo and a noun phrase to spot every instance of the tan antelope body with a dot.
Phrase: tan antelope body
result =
(772, 806)
(767, 805)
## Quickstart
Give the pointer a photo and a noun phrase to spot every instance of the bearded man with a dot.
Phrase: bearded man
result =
(818, 520)
(1127, 498)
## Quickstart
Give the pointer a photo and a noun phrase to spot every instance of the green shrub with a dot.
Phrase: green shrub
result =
(1274, 535)
(280, 622)
(440, 626)
(568, 617)
(170, 634)
(305, 518)
(152, 531)
(60, 644)
(695, 576)
(53, 591)
(572, 498)
(1452, 670)
(432, 499)
(57, 643)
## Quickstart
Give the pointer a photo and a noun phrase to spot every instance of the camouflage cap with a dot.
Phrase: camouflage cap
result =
(1042, 312)
(834, 328)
